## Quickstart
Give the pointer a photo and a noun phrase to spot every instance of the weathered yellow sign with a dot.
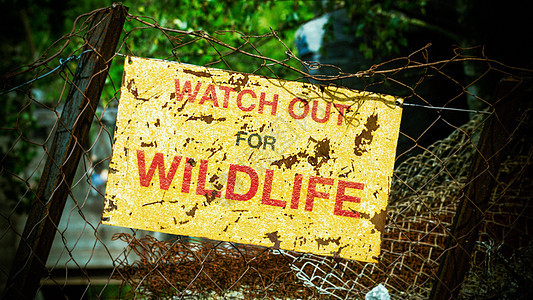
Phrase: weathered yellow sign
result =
(254, 160)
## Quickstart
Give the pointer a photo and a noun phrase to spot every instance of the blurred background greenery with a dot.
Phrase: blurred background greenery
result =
(376, 31)
(383, 29)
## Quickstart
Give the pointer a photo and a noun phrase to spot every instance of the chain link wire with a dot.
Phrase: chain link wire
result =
(430, 179)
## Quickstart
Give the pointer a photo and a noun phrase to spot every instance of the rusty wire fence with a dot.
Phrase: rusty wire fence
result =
(464, 154)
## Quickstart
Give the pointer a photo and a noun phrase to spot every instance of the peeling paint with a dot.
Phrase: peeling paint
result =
(208, 119)
(210, 197)
(131, 88)
(197, 73)
(322, 148)
(151, 144)
(110, 206)
(274, 238)
(366, 136)
(288, 161)
(252, 160)
(180, 109)
(238, 83)
(155, 202)
(192, 212)
(325, 242)
(379, 220)
(339, 250)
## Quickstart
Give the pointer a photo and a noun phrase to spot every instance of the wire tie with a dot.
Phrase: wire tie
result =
(62, 63)
(400, 103)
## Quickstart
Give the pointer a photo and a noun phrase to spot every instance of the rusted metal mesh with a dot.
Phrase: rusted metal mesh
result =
(413, 241)
(428, 183)
(502, 263)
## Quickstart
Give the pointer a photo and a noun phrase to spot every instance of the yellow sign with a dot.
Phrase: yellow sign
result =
(254, 160)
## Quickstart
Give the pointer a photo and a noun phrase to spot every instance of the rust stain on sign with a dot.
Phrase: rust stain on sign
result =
(239, 157)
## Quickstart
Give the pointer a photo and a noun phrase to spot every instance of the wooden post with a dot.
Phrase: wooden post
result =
(64, 154)
(510, 97)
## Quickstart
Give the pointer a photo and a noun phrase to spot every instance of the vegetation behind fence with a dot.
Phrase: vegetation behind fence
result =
(460, 194)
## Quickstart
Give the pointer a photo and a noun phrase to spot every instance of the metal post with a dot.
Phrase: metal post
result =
(510, 98)
(64, 154)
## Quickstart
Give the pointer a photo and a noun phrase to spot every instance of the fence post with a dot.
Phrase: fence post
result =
(510, 97)
(64, 154)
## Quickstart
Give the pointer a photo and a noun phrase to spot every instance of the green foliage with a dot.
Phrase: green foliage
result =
(31, 31)
(15, 153)
(31, 28)
(229, 21)
(380, 26)
(110, 291)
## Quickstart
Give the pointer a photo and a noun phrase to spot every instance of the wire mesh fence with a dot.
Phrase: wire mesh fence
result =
(440, 159)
